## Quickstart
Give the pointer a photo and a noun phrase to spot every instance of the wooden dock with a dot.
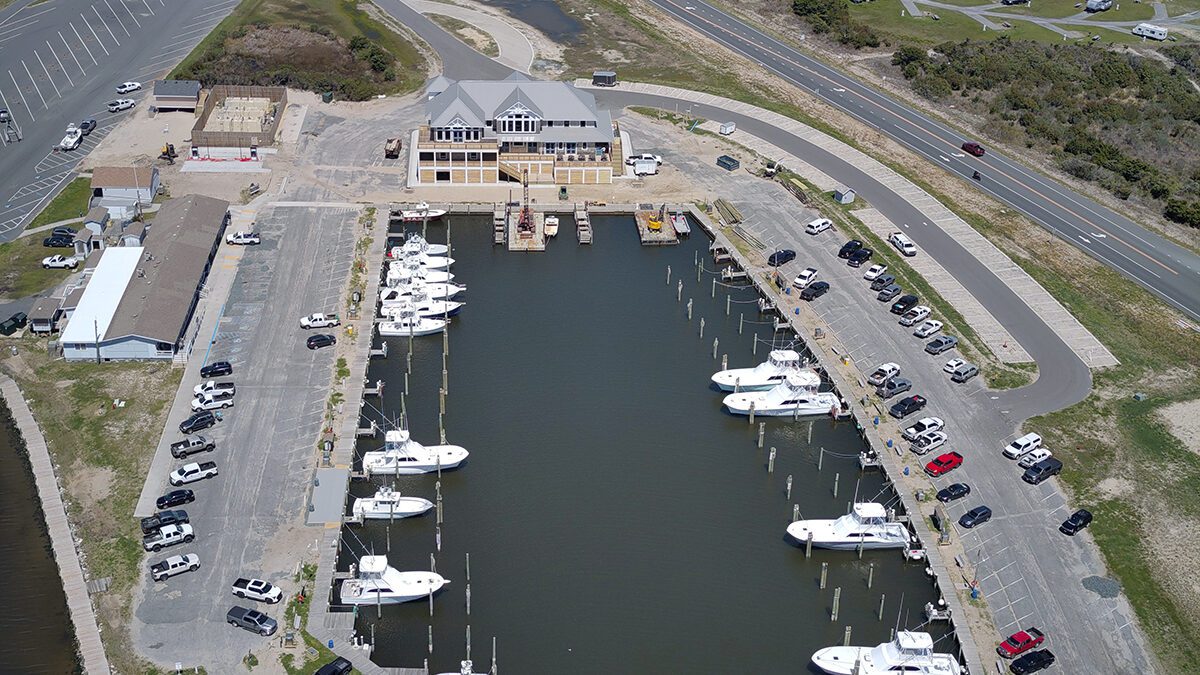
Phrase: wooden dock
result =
(665, 234)
(530, 241)
(583, 224)
(499, 223)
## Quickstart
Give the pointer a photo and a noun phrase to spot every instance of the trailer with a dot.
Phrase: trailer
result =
(728, 128)
(604, 78)
(645, 167)
(1149, 30)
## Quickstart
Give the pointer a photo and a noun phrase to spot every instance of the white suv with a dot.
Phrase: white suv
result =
(903, 244)
(1022, 446)
(818, 226)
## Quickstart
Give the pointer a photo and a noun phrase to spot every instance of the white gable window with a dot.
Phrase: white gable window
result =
(457, 131)
(518, 120)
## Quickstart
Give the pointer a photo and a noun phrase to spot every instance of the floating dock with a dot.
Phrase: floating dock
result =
(499, 223)
(583, 224)
(526, 239)
(653, 226)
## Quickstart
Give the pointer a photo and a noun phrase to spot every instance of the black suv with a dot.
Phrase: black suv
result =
(197, 422)
(58, 241)
(1032, 662)
(857, 258)
(1078, 520)
(216, 369)
(338, 666)
(175, 498)
(323, 340)
(814, 290)
(849, 247)
(151, 524)
(781, 257)
(904, 304)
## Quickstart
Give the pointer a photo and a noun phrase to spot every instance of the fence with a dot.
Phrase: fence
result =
(239, 139)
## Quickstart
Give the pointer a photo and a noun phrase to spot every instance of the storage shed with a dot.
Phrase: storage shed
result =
(176, 95)
(844, 195)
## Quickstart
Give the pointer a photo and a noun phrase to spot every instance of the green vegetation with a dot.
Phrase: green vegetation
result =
(832, 17)
(469, 34)
(21, 271)
(72, 202)
(316, 653)
(331, 45)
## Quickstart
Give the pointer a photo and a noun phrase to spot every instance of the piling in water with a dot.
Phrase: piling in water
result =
(824, 574)
(771, 461)
(837, 600)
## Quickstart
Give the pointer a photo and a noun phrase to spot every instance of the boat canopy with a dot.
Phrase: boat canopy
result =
(870, 512)
(372, 564)
(784, 358)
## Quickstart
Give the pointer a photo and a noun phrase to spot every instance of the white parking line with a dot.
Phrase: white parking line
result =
(194, 30)
(148, 7)
(89, 50)
(174, 50)
(114, 13)
(60, 63)
(114, 36)
(47, 71)
(71, 52)
(18, 29)
(122, 3)
(36, 88)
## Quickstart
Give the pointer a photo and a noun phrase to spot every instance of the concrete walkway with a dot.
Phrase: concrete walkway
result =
(515, 49)
(83, 616)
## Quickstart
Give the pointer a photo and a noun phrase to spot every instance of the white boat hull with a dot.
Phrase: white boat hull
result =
(383, 463)
(820, 403)
(399, 278)
(823, 536)
(370, 508)
(405, 328)
(431, 291)
(415, 586)
(431, 262)
(743, 379)
(858, 661)
(427, 249)
(432, 309)
(418, 216)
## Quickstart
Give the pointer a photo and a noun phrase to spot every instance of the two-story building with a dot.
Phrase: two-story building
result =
(482, 132)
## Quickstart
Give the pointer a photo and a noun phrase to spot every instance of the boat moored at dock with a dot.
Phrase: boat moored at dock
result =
(866, 525)
(415, 243)
(910, 652)
(406, 323)
(402, 456)
(423, 307)
(399, 275)
(423, 261)
(421, 212)
(379, 583)
(387, 504)
(551, 225)
(796, 396)
(762, 377)
(443, 291)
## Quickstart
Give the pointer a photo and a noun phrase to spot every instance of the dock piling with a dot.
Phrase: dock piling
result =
(724, 361)
(824, 574)
(431, 639)
(846, 638)
(679, 292)
(754, 348)
(689, 309)
(701, 328)
(668, 275)
(837, 600)
(468, 599)
(771, 461)
(882, 597)
(821, 458)
(716, 341)
(437, 538)
(728, 301)
(870, 574)
(714, 287)
(860, 549)
(752, 414)
(795, 517)
(698, 268)
(789, 486)
(807, 544)
(445, 346)
(762, 431)
(835, 482)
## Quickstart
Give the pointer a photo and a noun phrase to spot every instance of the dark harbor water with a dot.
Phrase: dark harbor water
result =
(38, 637)
(617, 520)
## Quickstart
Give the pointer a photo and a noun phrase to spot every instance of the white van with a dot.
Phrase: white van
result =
(1022, 446)
(903, 244)
(1149, 30)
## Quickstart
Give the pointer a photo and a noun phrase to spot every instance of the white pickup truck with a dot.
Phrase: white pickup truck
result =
(176, 564)
(168, 535)
(319, 320)
(257, 589)
(190, 473)
(1033, 457)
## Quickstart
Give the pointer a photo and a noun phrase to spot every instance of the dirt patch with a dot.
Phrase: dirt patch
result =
(476, 38)
(1183, 421)
(1115, 488)
(93, 485)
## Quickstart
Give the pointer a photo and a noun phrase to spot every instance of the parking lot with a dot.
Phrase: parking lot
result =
(249, 519)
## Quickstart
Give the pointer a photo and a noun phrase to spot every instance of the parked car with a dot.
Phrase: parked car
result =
(321, 340)
(883, 373)
(888, 292)
(907, 406)
(781, 257)
(1020, 642)
(1076, 522)
(216, 369)
(952, 364)
(1023, 445)
(58, 241)
(805, 278)
(923, 425)
(912, 316)
(121, 104)
(252, 620)
(975, 517)
(944, 464)
(849, 247)
(903, 244)
(126, 87)
(1033, 457)
(64, 231)
(815, 291)
(243, 238)
(905, 303)
(319, 320)
(191, 445)
(952, 492)
(168, 535)
(190, 473)
(59, 262)
(883, 281)
(818, 226)
(212, 387)
(151, 523)
(1038, 473)
(213, 401)
(964, 372)
(928, 441)
(338, 666)
(1032, 662)
(175, 498)
(176, 564)
(973, 148)
(14, 323)
(644, 157)
(893, 387)
(87, 126)
(199, 421)
(941, 343)
(859, 257)
(257, 589)
(928, 328)
(874, 272)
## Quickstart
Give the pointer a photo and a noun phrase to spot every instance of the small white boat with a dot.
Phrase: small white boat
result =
(399, 275)
(421, 212)
(424, 308)
(415, 243)
(797, 396)
(551, 226)
(680, 223)
(72, 139)
(866, 525)
(426, 261)
(402, 456)
(910, 653)
(762, 377)
(387, 504)
(405, 324)
(378, 583)
(465, 668)
(431, 291)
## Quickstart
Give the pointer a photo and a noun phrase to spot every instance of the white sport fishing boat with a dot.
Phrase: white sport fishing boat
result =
(432, 291)
(797, 396)
(426, 261)
(399, 275)
(465, 668)
(910, 653)
(421, 212)
(866, 525)
(378, 583)
(388, 504)
(405, 323)
(415, 243)
(402, 456)
(423, 305)
(551, 226)
(762, 377)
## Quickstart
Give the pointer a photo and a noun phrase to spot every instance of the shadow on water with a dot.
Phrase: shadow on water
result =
(544, 15)
(617, 520)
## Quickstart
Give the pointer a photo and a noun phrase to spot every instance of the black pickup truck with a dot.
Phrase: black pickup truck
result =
(150, 524)
(191, 445)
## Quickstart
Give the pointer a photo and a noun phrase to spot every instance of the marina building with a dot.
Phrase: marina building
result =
(485, 132)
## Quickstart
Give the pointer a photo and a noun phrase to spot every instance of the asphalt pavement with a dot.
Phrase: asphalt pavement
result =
(61, 61)
(1165, 268)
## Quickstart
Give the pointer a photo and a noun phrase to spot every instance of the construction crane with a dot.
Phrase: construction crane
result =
(525, 221)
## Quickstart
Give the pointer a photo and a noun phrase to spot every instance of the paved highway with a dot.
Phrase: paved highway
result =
(1166, 269)
(61, 61)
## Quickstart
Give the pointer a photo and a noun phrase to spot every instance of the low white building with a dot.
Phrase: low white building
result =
(83, 337)
(119, 189)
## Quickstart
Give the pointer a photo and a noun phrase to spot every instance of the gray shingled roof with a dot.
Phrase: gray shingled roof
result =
(177, 88)
(484, 99)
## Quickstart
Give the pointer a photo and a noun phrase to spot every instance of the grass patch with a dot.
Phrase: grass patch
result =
(21, 271)
(72, 202)
(472, 36)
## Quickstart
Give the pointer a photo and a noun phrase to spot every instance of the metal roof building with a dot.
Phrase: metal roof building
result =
(99, 302)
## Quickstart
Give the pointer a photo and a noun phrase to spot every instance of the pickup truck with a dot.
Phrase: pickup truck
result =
(319, 320)
(168, 535)
(252, 620)
(191, 445)
(176, 564)
(257, 589)
(1020, 642)
(1033, 457)
(190, 473)
(150, 524)
(391, 149)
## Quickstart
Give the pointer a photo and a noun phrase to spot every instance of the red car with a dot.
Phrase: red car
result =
(944, 464)
(973, 148)
(1020, 642)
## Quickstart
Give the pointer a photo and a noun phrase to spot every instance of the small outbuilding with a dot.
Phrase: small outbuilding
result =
(44, 317)
(119, 189)
(844, 195)
(172, 95)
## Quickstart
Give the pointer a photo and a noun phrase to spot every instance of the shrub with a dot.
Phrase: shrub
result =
(1185, 212)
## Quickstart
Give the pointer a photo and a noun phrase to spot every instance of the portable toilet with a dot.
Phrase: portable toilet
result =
(604, 78)
(844, 195)
(728, 128)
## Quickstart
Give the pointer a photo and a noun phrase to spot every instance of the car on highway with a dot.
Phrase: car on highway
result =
(874, 272)
(243, 238)
(923, 425)
(805, 278)
(1076, 522)
(59, 262)
(952, 364)
(339, 666)
(175, 498)
(168, 535)
(190, 473)
(87, 126)
(58, 241)
(1043, 470)
(212, 386)
(964, 372)
(815, 291)
(973, 148)
(126, 87)
(952, 492)
(882, 281)
(216, 369)
(893, 387)
(888, 292)
(150, 524)
(928, 442)
(943, 464)
(321, 340)
(907, 406)
(176, 564)
(781, 257)
(198, 421)
(903, 244)
(1021, 446)
(121, 104)
(941, 343)
(975, 517)
(905, 303)
(883, 373)
(257, 589)
(1032, 662)
(912, 316)
(859, 257)
(252, 620)
(191, 445)
(849, 247)
(1020, 642)
(928, 328)
(644, 157)
(818, 226)
(212, 401)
